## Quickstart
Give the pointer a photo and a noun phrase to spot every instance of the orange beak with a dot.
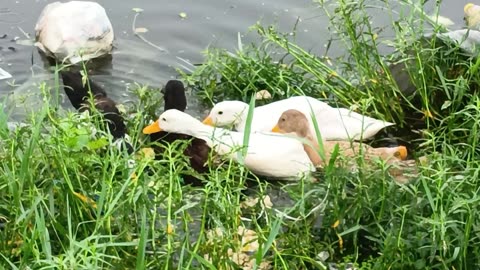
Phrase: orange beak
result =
(276, 129)
(208, 121)
(152, 128)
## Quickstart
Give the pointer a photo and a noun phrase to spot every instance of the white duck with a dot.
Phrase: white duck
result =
(333, 123)
(267, 154)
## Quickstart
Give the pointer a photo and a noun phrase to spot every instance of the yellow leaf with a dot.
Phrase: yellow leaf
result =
(147, 153)
(170, 229)
(340, 241)
(134, 177)
(85, 199)
(428, 114)
(335, 225)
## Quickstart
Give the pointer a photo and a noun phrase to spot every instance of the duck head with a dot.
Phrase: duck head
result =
(227, 113)
(174, 96)
(292, 121)
(173, 121)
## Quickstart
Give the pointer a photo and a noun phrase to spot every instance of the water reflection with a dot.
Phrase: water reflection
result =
(207, 23)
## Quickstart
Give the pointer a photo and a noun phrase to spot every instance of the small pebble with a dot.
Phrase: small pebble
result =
(4, 36)
(12, 49)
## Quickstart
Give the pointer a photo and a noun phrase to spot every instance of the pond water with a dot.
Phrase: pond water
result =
(207, 23)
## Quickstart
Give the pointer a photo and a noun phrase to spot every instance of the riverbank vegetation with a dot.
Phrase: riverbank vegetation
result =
(72, 200)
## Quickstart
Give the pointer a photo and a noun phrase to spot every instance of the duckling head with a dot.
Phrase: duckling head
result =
(174, 96)
(292, 121)
(227, 113)
(173, 121)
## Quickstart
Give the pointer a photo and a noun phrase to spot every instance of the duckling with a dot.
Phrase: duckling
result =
(296, 122)
(79, 94)
(266, 154)
(334, 123)
(197, 150)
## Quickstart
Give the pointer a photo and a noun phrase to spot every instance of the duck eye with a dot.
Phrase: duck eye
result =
(220, 112)
(283, 119)
(163, 119)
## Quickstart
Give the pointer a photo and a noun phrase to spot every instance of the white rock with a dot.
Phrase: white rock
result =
(74, 31)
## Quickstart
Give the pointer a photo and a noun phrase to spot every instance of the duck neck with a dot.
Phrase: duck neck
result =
(201, 131)
(197, 130)
(241, 120)
(311, 148)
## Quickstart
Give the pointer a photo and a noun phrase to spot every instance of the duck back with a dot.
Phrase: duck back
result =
(79, 95)
(266, 116)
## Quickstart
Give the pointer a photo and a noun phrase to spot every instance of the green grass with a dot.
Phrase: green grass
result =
(154, 221)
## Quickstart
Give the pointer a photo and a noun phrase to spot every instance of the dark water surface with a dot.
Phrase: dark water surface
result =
(213, 22)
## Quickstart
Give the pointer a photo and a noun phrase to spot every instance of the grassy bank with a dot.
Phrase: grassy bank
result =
(72, 200)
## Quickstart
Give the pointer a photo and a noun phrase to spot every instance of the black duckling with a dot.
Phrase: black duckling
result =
(197, 150)
(79, 94)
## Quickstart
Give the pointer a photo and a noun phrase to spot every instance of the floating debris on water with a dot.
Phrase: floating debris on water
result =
(141, 30)
(4, 74)
(182, 15)
(25, 42)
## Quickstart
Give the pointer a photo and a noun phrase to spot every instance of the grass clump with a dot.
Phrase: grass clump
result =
(427, 86)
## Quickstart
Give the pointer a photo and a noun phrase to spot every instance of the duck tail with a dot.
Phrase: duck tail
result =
(401, 152)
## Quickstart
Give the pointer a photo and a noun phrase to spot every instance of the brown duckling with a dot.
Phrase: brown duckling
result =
(294, 121)
(403, 171)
